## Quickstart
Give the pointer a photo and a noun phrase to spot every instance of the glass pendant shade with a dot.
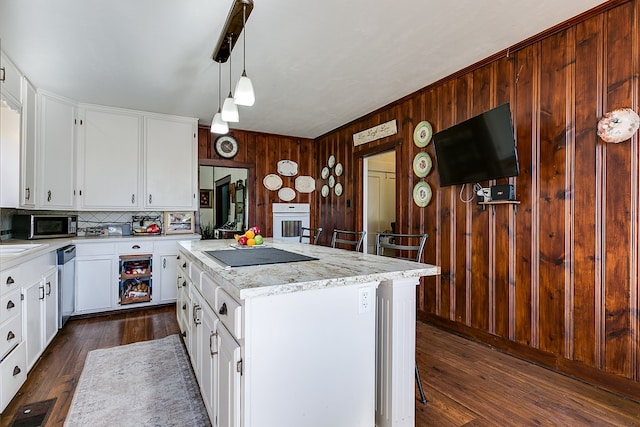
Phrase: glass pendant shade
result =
(230, 110)
(244, 91)
(218, 125)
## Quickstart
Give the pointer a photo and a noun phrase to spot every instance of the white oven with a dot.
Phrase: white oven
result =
(288, 220)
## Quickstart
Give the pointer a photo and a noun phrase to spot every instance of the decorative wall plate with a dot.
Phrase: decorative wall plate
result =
(618, 125)
(287, 168)
(332, 181)
(287, 194)
(325, 190)
(338, 170)
(331, 161)
(422, 194)
(272, 182)
(422, 134)
(325, 173)
(422, 164)
(338, 189)
(305, 184)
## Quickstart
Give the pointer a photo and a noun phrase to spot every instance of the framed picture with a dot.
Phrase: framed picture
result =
(205, 198)
(179, 222)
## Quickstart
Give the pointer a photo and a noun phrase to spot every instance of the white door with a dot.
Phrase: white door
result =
(228, 379)
(167, 278)
(110, 159)
(209, 360)
(95, 283)
(32, 318)
(50, 315)
(28, 154)
(56, 153)
(380, 190)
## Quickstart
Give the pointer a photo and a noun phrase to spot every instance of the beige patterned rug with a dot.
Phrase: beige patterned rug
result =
(148, 383)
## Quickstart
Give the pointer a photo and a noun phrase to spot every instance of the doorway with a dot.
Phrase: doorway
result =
(380, 196)
(223, 198)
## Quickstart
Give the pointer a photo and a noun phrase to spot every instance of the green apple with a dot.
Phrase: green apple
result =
(259, 240)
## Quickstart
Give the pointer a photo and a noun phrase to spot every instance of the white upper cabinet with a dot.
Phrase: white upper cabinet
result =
(56, 153)
(10, 78)
(28, 151)
(109, 161)
(170, 159)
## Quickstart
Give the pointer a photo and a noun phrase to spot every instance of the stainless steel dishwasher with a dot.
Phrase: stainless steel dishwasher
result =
(66, 283)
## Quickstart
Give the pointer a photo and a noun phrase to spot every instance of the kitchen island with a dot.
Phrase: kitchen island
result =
(319, 342)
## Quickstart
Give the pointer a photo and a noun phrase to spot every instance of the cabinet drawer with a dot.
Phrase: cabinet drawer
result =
(229, 312)
(10, 335)
(13, 373)
(208, 289)
(9, 280)
(184, 263)
(135, 248)
(10, 305)
(196, 275)
(90, 249)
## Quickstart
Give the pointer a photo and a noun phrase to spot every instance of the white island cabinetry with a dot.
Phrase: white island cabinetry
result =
(296, 343)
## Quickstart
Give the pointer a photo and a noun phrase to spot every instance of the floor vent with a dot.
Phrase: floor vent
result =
(33, 414)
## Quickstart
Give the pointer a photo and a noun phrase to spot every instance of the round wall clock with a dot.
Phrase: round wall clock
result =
(226, 146)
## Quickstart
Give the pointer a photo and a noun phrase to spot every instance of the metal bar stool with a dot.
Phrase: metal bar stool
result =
(352, 238)
(311, 234)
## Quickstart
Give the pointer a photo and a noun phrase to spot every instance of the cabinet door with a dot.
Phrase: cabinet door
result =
(56, 153)
(170, 158)
(96, 282)
(11, 78)
(32, 320)
(28, 154)
(229, 373)
(10, 135)
(195, 329)
(167, 278)
(109, 159)
(208, 375)
(50, 316)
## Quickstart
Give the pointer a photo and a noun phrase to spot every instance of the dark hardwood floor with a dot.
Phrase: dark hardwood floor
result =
(467, 384)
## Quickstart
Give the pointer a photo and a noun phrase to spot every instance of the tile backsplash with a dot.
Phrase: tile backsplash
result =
(86, 220)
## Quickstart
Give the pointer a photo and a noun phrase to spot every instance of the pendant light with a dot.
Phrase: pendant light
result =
(229, 108)
(217, 124)
(244, 89)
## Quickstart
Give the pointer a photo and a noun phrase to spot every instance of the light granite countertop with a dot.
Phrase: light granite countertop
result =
(334, 267)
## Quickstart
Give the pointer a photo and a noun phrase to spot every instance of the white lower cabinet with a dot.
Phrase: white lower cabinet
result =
(28, 319)
(229, 376)
(208, 348)
(96, 282)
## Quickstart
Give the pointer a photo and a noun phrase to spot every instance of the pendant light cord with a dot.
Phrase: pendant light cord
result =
(230, 93)
(244, 38)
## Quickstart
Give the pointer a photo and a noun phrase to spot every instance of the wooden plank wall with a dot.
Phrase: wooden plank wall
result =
(554, 279)
(259, 153)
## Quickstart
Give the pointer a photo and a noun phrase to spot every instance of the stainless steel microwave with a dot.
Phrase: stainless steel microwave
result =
(44, 226)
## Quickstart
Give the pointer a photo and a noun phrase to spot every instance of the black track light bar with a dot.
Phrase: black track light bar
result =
(231, 31)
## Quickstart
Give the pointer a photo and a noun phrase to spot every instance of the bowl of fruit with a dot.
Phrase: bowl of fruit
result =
(250, 239)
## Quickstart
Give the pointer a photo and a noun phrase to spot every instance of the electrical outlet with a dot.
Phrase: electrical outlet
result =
(365, 300)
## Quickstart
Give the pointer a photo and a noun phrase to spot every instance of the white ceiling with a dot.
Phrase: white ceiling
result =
(315, 65)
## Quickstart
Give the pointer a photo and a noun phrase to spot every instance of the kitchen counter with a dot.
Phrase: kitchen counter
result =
(334, 267)
(42, 246)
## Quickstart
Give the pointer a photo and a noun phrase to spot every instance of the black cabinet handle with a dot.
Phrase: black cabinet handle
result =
(135, 247)
(223, 309)
(49, 196)
(10, 280)
(48, 288)
(133, 199)
(16, 371)
(10, 305)
(10, 336)
(28, 193)
(184, 306)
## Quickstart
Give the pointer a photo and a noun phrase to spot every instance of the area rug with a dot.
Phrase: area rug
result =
(148, 383)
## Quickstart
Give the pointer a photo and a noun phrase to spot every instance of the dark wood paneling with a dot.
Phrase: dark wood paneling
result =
(619, 92)
(555, 280)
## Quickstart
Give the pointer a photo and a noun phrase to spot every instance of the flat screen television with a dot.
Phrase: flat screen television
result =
(478, 149)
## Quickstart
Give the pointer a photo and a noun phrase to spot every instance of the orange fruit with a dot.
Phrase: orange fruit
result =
(251, 242)
(250, 234)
